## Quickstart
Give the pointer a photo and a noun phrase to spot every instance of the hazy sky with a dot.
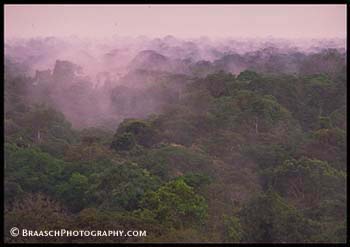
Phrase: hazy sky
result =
(286, 21)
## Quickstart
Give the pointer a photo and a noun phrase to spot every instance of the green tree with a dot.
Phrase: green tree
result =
(142, 131)
(176, 204)
(269, 218)
(248, 75)
(123, 142)
(122, 186)
(308, 181)
(233, 229)
(73, 192)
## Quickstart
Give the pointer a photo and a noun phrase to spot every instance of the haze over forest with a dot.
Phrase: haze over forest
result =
(63, 69)
(225, 125)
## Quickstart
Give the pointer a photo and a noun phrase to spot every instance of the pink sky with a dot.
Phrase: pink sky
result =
(285, 21)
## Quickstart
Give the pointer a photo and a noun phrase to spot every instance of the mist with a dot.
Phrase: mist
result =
(98, 64)
(101, 82)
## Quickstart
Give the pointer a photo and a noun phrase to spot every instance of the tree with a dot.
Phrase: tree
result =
(262, 113)
(248, 75)
(176, 204)
(169, 161)
(123, 142)
(328, 145)
(122, 186)
(308, 181)
(217, 84)
(233, 229)
(36, 212)
(73, 192)
(142, 131)
(34, 170)
(269, 218)
(64, 73)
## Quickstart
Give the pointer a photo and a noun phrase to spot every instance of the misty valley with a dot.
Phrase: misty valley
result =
(201, 140)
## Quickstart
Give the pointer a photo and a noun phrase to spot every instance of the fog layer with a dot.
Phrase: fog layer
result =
(102, 82)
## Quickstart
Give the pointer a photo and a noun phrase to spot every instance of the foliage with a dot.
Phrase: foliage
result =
(233, 227)
(176, 204)
(269, 218)
(123, 142)
(257, 157)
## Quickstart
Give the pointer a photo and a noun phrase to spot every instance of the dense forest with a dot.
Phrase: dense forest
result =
(221, 146)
